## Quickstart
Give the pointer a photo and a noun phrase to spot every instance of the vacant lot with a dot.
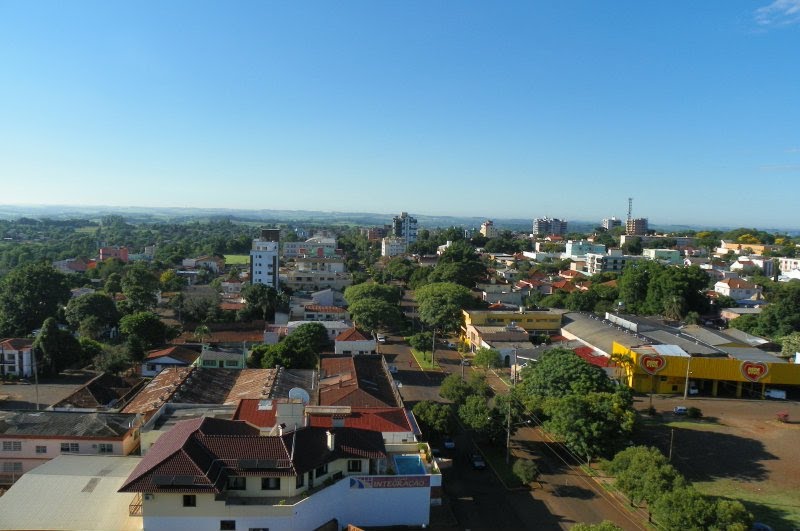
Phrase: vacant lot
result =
(737, 450)
(237, 259)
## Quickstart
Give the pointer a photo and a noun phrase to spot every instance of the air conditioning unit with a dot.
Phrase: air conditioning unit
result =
(149, 496)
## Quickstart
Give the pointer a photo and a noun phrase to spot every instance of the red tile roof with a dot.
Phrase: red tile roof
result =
(179, 353)
(199, 455)
(372, 419)
(16, 343)
(351, 334)
(356, 382)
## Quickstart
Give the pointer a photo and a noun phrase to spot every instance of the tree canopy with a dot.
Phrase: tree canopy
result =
(30, 294)
(97, 306)
(440, 305)
(560, 372)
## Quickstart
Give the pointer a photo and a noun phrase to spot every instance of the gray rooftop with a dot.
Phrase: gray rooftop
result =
(599, 333)
(66, 423)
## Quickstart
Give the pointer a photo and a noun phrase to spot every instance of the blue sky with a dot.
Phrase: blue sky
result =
(513, 109)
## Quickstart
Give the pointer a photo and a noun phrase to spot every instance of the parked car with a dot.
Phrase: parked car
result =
(393, 369)
(477, 461)
(451, 345)
(448, 442)
(465, 362)
(381, 338)
(680, 410)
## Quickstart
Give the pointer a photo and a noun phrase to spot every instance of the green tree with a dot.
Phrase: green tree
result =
(459, 264)
(525, 470)
(57, 349)
(487, 358)
(113, 284)
(440, 305)
(371, 290)
(298, 350)
(145, 326)
(261, 301)
(421, 341)
(683, 509)
(433, 416)
(170, 281)
(592, 424)
(558, 373)
(475, 413)
(29, 294)
(113, 360)
(97, 306)
(139, 285)
(375, 314)
(643, 474)
(455, 389)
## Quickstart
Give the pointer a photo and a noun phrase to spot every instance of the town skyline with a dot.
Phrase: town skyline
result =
(505, 112)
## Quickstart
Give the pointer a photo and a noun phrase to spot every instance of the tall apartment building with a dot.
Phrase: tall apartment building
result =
(610, 223)
(636, 226)
(545, 226)
(404, 227)
(488, 229)
(264, 258)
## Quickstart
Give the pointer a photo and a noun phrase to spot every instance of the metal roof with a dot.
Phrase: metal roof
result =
(72, 492)
(66, 424)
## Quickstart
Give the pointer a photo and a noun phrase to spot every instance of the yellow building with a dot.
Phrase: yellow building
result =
(667, 369)
(533, 322)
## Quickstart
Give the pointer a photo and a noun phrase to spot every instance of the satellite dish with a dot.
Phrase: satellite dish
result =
(298, 393)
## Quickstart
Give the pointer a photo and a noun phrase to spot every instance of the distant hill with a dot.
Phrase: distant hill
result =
(173, 214)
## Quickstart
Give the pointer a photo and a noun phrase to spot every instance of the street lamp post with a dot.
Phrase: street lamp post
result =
(688, 372)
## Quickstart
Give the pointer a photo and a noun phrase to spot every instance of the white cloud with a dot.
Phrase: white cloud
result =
(779, 13)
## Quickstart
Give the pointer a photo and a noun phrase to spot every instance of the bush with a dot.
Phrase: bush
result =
(526, 470)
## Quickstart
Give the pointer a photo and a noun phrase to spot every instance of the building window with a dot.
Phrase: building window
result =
(231, 363)
(301, 480)
(321, 471)
(12, 446)
(227, 525)
(9, 467)
(105, 448)
(270, 483)
(354, 465)
(209, 363)
(189, 500)
(237, 483)
(69, 448)
(41, 449)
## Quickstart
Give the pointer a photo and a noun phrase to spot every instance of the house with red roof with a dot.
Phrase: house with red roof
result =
(177, 356)
(15, 357)
(352, 342)
(209, 473)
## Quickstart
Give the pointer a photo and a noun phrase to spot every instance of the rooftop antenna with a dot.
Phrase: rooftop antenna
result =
(630, 208)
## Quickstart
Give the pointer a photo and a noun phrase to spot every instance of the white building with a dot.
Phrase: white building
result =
(545, 226)
(15, 357)
(264, 258)
(393, 247)
(488, 229)
(738, 289)
(405, 228)
(578, 249)
(317, 246)
(610, 223)
(613, 262)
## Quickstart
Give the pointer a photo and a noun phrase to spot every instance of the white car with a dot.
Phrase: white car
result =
(381, 338)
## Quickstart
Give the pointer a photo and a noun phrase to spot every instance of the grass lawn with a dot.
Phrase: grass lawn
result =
(424, 359)
(772, 505)
(237, 259)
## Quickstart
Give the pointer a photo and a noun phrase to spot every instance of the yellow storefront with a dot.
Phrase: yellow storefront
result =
(646, 370)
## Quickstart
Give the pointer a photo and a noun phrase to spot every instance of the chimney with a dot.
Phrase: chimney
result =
(331, 440)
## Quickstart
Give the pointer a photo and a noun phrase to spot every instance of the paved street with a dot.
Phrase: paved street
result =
(476, 498)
